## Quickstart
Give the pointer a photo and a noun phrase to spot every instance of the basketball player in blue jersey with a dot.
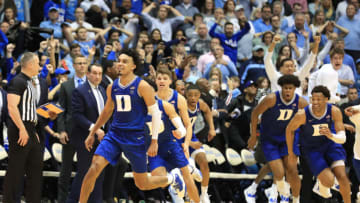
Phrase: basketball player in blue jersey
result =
(170, 153)
(277, 109)
(165, 93)
(195, 105)
(130, 100)
(321, 143)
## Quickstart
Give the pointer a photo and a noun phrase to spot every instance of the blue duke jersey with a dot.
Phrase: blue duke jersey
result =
(192, 116)
(130, 109)
(310, 131)
(173, 100)
(319, 151)
(170, 154)
(275, 119)
(166, 127)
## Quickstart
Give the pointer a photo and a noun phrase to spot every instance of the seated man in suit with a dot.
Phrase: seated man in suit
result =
(84, 99)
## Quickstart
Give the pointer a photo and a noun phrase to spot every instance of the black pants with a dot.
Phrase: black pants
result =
(113, 180)
(307, 182)
(23, 160)
(64, 181)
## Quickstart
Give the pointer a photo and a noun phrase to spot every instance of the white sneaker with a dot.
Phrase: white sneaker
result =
(174, 196)
(195, 173)
(336, 186)
(316, 190)
(272, 194)
(178, 183)
(204, 198)
(358, 197)
(250, 194)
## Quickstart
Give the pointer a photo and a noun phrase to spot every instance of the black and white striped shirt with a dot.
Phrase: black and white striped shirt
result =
(21, 85)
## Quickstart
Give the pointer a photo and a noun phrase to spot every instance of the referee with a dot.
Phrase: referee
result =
(25, 155)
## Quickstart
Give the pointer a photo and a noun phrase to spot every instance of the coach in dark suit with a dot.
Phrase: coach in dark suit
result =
(88, 101)
(41, 89)
(64, 124)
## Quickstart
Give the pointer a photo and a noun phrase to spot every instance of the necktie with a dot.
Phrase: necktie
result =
(79, 82)
(100, 99)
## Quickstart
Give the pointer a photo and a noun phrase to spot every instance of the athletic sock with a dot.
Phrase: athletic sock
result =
(170, 178)
(204, 189)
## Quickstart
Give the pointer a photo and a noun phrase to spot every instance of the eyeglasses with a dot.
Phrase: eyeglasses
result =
(81, 63)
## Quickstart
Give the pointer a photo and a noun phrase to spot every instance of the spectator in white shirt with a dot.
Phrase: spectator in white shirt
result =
(80, 22)
(328, 75)
(287, 66)
(346, 79)
(87, 4)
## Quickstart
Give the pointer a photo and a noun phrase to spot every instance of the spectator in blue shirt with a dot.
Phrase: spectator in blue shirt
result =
(352, 40)
(299, 28)
(263, 24)
(61, 8)
(254, 68)
(227, 68)
(229, 40)
(136, 6)
(357, 77)
(52, 23)
(81, 38)
(71, 6)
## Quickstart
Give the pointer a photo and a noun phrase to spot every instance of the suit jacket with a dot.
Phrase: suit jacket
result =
(85, 112)
(105, 82)
(42, 122)
(64, 122)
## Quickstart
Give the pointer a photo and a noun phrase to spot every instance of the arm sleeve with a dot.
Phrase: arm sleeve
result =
(305, 52)
(305, 70)
(44, 71)
(242, 32)
(322, 54)
(270, 68)
(212, 32)
(148, 20)
(9, 65)
(3, 40)
(339, 138)
(207, 70)
(232, 69)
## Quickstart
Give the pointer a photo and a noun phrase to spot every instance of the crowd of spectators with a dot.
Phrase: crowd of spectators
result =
(233, 50)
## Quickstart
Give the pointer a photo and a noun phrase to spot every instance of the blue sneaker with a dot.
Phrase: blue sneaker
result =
(178, 183)
(284, 199)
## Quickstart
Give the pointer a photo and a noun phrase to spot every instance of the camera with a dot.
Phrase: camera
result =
(166, 60)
